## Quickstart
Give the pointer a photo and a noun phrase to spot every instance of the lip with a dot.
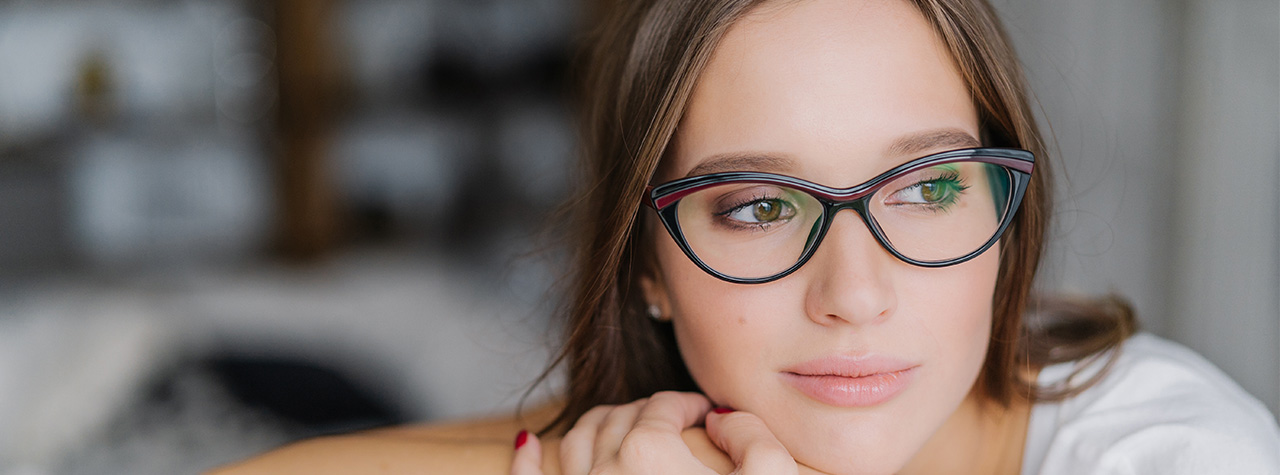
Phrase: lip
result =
(848, 381)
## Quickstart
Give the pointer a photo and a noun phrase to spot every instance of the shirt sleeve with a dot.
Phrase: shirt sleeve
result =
(1177, 449)
(1162, 410)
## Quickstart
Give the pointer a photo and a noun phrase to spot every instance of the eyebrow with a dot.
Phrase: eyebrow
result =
(913, 144)
(916, 144)
(742, 162)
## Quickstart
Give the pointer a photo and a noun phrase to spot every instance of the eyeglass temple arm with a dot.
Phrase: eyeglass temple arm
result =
(648, 197)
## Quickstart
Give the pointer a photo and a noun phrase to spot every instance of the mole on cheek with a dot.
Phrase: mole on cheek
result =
(742, 320)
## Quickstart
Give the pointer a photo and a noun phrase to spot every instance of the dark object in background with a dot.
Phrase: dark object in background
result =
(458, 86)
(316, 399)
(309, 223)
(210, 411)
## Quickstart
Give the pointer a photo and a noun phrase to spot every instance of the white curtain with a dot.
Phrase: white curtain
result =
(1165, 115)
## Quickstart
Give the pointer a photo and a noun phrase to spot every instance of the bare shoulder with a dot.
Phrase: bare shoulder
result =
(481, 446)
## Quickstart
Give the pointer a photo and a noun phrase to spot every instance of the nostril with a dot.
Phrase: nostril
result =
(850, 277)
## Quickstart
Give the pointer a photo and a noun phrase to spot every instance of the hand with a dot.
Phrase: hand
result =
(644, 437)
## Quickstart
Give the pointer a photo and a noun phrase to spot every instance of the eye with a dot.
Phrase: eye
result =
(930, 192)
(761, 211)
(935, 192)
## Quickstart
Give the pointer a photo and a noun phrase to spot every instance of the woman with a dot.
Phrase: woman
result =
(717, 268)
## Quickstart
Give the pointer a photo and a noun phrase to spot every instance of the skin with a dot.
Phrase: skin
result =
(834, 89)
(840, 91)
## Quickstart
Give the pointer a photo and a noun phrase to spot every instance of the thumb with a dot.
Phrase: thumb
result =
(749, 443)
(528, 457)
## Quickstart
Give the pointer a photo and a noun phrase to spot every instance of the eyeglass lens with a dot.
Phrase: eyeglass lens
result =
(755, 230)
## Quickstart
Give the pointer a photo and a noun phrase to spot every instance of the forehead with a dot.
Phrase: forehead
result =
(833, 88)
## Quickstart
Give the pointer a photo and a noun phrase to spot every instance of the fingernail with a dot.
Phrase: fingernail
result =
(722, 410)
(521, 438)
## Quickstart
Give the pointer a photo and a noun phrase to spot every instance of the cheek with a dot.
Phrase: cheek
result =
(952, 307)
(723, 330)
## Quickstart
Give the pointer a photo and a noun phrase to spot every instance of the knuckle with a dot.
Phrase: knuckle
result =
(615, 417)
(665, 394)
(745, 420)
(767, 449)
(638, 442)
(575, 435)
(670, 396)
(654, 427)
(662, 398)
(595, 412)
(619, 421)
(736, 421)
(743, 417)
(634, 451)
(574, 442)
(590, 421)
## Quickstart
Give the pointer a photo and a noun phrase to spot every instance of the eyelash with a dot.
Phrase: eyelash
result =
(946, 178)
(949, 177)
(756, 198)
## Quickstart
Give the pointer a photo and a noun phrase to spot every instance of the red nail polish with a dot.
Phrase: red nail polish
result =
(521, 438)
(722, 410)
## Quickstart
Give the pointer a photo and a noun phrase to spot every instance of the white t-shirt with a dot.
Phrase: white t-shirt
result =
(1162, 409)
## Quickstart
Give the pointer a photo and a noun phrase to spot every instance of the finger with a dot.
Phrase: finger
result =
(613, 429)
(671, 412)
(749, 442)
(578, 445)
(528, 457)
(656, 435)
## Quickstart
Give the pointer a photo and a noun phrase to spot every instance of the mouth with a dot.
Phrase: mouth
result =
(851, 382)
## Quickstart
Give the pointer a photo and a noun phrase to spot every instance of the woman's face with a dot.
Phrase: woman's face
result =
(841, 91)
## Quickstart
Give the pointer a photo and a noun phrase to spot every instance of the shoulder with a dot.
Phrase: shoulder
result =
(480, 446)
(1160, 408)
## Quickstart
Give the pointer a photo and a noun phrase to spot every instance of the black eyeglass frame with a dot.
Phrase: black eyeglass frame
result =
(1017, 162)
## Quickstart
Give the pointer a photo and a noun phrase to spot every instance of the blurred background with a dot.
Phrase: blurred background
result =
(231, 224)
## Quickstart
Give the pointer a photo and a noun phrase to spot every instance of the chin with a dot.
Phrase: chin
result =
(871, 442)
(848, 461)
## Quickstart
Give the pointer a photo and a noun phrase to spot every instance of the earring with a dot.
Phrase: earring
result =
(655, 312)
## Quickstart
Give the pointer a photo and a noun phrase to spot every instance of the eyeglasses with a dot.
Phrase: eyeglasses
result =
(934, 211)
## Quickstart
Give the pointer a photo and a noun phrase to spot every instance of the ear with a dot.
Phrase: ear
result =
(654, 290)
(653, 287)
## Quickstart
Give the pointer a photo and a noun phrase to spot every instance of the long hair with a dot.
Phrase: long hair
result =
(640, 70)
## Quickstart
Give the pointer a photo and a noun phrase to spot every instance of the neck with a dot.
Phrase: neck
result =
(980, 437)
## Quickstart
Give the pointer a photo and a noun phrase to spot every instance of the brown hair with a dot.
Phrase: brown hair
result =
(641, 68)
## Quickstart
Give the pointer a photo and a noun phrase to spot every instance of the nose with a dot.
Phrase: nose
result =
(850, 278)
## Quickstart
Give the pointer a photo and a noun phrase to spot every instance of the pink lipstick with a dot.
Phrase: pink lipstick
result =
(846, 381)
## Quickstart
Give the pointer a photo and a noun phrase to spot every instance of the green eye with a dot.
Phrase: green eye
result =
(933, 192)
(938, 192)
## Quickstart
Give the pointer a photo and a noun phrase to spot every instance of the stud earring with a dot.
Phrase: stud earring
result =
(655, 312)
